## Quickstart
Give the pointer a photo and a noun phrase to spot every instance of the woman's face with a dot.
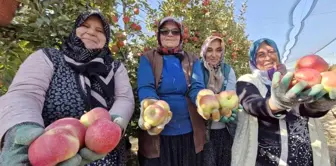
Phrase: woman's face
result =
(214, 52)
(266, 57)
(92, 34)
(170, 35)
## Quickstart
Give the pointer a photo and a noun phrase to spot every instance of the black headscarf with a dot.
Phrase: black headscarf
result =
(95, 67)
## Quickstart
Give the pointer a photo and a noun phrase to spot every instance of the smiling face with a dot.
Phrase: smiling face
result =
(214, 52)
(170, 35)
(92, 34)
(266, 57)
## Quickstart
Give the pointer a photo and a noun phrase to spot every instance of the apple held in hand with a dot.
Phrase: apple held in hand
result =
(97, 113)
(209, 106)
(311, 76)
(154, 115)
(73, 125)
(203, 92)
(102, 136)
(328, 80)
(228, 99)
(312, 62)
(52, 147)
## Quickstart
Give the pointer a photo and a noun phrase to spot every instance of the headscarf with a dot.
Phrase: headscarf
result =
(94, 66)
(216, 77)
(267, 75)
(165, 51)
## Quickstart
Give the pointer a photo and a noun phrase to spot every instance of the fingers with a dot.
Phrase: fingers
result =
(88, 154)
(73, 161)
(296, 89)
(286, 80)
(25, 135)
(332, 94)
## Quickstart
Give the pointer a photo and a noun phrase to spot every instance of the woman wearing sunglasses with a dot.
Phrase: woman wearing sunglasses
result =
(168, 73)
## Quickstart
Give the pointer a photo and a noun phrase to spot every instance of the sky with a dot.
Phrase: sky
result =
(299, 27)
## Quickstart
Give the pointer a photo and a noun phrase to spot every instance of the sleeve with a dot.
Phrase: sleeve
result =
(124, 98)
(253, 103)
(25, 97)
(309, 111)
(146, 81)
(197, 81)
(231, 85)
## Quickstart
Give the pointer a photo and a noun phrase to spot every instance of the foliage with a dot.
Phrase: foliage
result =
(45, 23)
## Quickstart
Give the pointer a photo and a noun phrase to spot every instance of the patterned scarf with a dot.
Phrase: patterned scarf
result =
(94, 66)
(216, 77)
(265, 75)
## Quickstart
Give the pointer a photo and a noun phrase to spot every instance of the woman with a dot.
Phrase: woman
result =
(170, 74)
(218, 76)
(53, 84)
(279, 125)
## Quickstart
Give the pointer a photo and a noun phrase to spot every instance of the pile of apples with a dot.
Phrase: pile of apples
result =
(65, 137)
(155, 113)
(314, 70)
(216, 105)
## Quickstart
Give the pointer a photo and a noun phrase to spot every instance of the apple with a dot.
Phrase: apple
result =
(328, 80)
(209, 106)
(311, 76)
(313, 62)
(73, 125)
(114, 48)
(115, 19)
(134, 26)
(230, 41)
(228, 99)
(136, 11)
(97, 113)
(102, 136)
(154, 115)
(138, 28)
(203, 92)
(126, 19)
(120, 44)
(52, 147)
(163, 104)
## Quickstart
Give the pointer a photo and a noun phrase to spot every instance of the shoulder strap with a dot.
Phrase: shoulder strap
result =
(226, 71)
(156, 62)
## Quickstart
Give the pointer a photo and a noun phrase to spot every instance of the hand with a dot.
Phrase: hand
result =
(17, 141)
(152, 130)
(85, 156)
(281, 97)
(208, 105)
(323, 101)
(232, 117)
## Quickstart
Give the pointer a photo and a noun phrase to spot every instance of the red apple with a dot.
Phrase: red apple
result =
(115, 19)
(134, 26)
(138, 28)
(155, 115)
(120, 44)
(311, 76)
(52, 147)
(114, 48)
(313, 62)
(102, 136)
(97, 113)
(73, 125)
(136, 11)
(328, 80)
(209, 106)
(126, 19)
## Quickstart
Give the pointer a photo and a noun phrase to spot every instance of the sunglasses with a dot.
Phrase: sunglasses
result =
(166, 32)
